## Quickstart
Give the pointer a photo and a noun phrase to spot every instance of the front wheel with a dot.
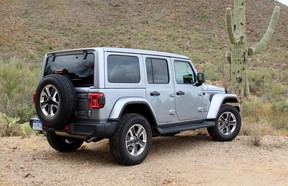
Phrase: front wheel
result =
(131, 142)
(227, 124)
(63, 144)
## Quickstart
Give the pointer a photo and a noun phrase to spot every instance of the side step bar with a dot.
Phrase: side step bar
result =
(182, 127)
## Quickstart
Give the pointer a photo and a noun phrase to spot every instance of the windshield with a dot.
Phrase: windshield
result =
(78, 69)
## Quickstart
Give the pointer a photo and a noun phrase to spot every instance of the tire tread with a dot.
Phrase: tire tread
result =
(116, 144)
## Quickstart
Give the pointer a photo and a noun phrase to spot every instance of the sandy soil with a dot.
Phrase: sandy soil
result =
(184, 159)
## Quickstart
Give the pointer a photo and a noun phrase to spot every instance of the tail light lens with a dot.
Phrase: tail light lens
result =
(97, 100)
(34, 98)
(67, 127)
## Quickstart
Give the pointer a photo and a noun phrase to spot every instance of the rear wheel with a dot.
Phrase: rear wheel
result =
(63, 144)
(131, 142)
(228, 124)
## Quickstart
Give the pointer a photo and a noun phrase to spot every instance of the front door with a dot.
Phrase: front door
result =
(189, 101)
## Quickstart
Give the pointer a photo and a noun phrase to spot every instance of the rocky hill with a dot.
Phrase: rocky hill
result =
(30, 28)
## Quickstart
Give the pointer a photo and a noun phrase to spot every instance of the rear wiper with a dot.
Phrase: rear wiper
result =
(54, 56)
(85, 54)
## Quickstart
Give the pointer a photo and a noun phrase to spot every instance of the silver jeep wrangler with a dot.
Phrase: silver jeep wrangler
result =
(128, 96)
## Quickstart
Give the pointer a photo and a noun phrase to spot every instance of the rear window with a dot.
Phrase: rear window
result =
(78, 69)
(123, 69)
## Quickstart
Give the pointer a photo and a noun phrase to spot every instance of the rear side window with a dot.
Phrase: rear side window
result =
(157, 71)
(78, 69)
(123, 69)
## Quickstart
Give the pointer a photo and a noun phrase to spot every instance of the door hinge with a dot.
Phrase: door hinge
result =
(200, 109)
(172, 112)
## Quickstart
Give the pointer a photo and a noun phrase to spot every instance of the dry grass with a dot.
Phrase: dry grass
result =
(257, 131)
(273, 113)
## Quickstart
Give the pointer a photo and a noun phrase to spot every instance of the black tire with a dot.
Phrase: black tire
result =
(63, 144)
(227, 124)
(58, 108)
(128, 148)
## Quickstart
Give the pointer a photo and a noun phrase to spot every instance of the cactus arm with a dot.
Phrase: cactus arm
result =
(229, 27)
(269, 32)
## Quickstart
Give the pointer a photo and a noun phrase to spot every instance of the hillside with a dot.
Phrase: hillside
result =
(30, 28)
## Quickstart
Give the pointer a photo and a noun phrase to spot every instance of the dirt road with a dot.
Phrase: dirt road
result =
(184, 159)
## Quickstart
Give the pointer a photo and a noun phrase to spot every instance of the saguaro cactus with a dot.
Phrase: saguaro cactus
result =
(238, 57)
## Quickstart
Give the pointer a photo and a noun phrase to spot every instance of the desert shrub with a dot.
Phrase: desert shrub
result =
(18, 80)
(260, 80)
(252, 107)
(256, 134)
(277, 90)
(275, 114)
(280, 106)
(278, 115)
(9, 126)
(279, 121)
(285, 75)
(27, 129)
(256, 131)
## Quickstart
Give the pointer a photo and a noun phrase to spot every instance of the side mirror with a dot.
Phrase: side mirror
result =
(200, 78)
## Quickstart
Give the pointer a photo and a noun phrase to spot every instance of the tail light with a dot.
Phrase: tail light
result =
(97, 100)
(67, 127)
(59, 72)
(34, 98)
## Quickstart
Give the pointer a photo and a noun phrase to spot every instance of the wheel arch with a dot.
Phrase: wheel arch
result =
(134, 105)
(218, 100)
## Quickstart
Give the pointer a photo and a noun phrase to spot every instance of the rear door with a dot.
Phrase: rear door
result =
(159, 88)
(79, 68)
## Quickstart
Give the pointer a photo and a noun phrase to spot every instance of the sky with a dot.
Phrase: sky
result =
(283, 2)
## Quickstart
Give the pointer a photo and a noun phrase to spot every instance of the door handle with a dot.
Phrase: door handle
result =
(155, 93)
(201, 94)
(180, 93)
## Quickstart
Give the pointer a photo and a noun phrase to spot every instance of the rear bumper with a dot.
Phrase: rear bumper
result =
(92, 129)
(84, 128)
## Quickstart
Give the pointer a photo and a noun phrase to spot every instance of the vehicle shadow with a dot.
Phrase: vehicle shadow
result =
(98, 154)
(180, 142)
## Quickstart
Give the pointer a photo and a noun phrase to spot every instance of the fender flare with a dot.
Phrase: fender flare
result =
(217, 101)
(121, 103)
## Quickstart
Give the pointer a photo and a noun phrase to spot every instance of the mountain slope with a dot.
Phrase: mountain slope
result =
(30, 28)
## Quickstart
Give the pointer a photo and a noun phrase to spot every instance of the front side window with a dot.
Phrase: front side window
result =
(157, 71)
(184, 73)
(123, 69)
(78, 68)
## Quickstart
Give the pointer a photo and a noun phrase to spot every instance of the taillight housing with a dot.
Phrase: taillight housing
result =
(97, 100)
(34, 98)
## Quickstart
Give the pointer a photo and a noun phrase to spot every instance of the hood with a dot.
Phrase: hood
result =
(212, 88)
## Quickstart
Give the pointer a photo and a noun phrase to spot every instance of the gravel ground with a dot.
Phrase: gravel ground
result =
(184, 159)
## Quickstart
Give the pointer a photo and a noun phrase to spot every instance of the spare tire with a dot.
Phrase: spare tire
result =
(55, 101)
